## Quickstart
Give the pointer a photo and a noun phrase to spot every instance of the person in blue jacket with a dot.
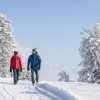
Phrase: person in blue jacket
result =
(34, 63)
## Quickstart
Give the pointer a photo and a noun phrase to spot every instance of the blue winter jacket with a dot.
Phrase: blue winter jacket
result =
(34, 61)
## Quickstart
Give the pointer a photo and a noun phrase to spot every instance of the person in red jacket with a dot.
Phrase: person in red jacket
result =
(16, 66)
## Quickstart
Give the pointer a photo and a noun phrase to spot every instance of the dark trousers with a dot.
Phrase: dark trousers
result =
(16, 75)
(36, 71)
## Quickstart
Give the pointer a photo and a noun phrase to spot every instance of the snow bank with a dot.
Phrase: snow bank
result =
(80, 90)
(57, 92)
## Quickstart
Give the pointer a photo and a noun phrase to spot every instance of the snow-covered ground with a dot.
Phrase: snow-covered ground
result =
(24, 90)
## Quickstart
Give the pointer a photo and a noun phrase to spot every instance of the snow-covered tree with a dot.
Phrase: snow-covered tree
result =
(90, 54)
(63, 77)
(25, 75)
(7, 45)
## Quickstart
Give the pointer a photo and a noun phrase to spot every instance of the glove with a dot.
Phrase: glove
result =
(20, 69)
(39, 68)
(28, 69)
(10, 70)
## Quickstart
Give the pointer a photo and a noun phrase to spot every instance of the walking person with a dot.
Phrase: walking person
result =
(15, 66)
(34, 63)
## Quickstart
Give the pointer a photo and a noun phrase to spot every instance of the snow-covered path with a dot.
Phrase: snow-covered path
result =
(24, 90)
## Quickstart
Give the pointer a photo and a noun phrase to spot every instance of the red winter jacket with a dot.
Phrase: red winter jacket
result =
(15, 62)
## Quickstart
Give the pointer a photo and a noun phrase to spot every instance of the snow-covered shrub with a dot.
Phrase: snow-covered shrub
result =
(63, 77)
(25, 75)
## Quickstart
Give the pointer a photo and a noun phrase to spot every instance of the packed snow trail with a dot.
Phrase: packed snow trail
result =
(5, 94)
(24, 90)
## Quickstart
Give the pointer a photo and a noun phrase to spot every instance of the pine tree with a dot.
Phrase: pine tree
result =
(7, 45)
(90, 54)
(63, 77)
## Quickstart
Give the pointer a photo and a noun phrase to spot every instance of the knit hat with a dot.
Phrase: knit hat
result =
(34, 49)
(15, 52)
